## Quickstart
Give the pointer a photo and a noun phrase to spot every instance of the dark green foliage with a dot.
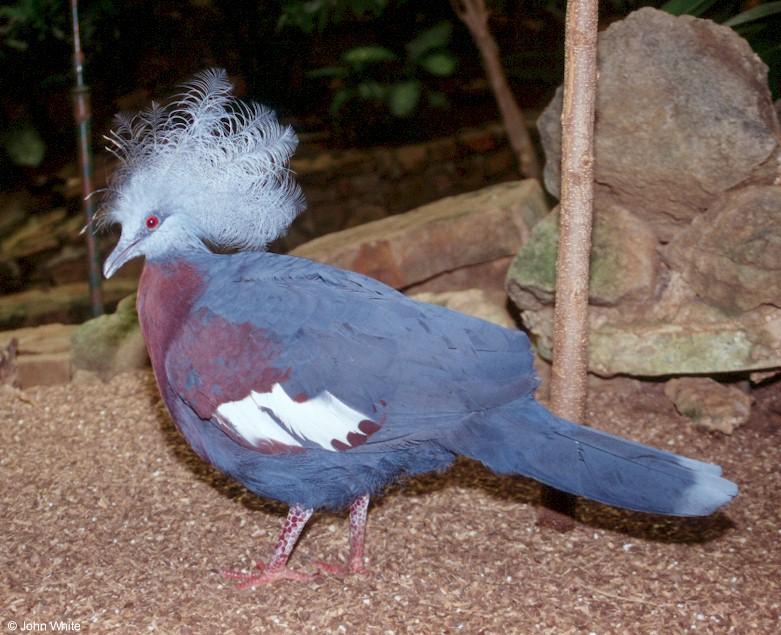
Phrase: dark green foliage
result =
(393, 67)
(388, 69)
(399, 80)
(23, 143)
(28, 21)
(688, 7)
(36, 60)
(759, 12)
(23, 25)
(316, 15)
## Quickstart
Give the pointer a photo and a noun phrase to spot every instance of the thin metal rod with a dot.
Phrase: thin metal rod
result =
(82, 113)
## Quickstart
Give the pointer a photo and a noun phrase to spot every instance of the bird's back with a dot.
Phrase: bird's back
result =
(364, 341)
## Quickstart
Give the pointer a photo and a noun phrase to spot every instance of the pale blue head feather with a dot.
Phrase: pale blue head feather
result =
(214, 168)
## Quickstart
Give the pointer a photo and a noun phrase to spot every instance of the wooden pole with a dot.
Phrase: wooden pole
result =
(569, 379)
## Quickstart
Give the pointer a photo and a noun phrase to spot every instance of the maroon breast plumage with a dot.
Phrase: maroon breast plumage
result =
(166, 293)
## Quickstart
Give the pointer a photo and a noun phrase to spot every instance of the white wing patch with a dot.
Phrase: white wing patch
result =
(273, 417)
(252, 424)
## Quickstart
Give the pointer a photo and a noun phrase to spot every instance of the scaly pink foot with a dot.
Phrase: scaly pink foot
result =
(355, 565)
(276, 569)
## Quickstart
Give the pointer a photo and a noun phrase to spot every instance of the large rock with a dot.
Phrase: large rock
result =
(683, 114)
(486, 275)
(37, 235)
(41, 340)
(624, 260)
(708, 403)
(43, 354)
(50, 369)
(478, 303)
(10, 276)
(70, 264)
(68, 303)
(731, 255)
(447, 235)
(675, 334)
(686, 155)
(14, 208)
(110, 344)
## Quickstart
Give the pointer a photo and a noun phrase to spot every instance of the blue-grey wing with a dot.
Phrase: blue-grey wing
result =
(406, 368)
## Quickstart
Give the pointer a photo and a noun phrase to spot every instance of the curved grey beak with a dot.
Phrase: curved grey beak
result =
(125, 250)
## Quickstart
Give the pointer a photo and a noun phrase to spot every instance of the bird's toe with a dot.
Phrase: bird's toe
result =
(340, 569)
(267, 575)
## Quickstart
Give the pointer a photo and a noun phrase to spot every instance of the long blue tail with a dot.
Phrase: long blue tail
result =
(524, 438)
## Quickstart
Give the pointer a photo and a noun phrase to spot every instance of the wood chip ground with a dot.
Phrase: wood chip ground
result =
(111, 522)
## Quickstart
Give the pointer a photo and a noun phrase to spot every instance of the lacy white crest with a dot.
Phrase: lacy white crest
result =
(219, 162)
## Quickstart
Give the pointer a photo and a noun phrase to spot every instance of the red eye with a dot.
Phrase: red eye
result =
(152, 222)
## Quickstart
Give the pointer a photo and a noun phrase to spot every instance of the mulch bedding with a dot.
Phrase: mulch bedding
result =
(111, 523)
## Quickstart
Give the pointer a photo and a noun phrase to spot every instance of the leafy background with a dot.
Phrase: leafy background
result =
(360, 71)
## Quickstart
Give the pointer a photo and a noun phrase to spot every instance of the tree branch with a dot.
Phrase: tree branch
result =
(569, 376)
(474, 14)
(570, 331)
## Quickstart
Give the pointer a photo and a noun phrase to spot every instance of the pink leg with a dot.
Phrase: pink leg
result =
(276, 569)
(358, 513)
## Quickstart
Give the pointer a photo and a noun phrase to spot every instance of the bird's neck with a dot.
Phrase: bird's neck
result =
(166, 292)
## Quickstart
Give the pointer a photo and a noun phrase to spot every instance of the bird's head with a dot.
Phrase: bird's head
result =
(207, 171)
